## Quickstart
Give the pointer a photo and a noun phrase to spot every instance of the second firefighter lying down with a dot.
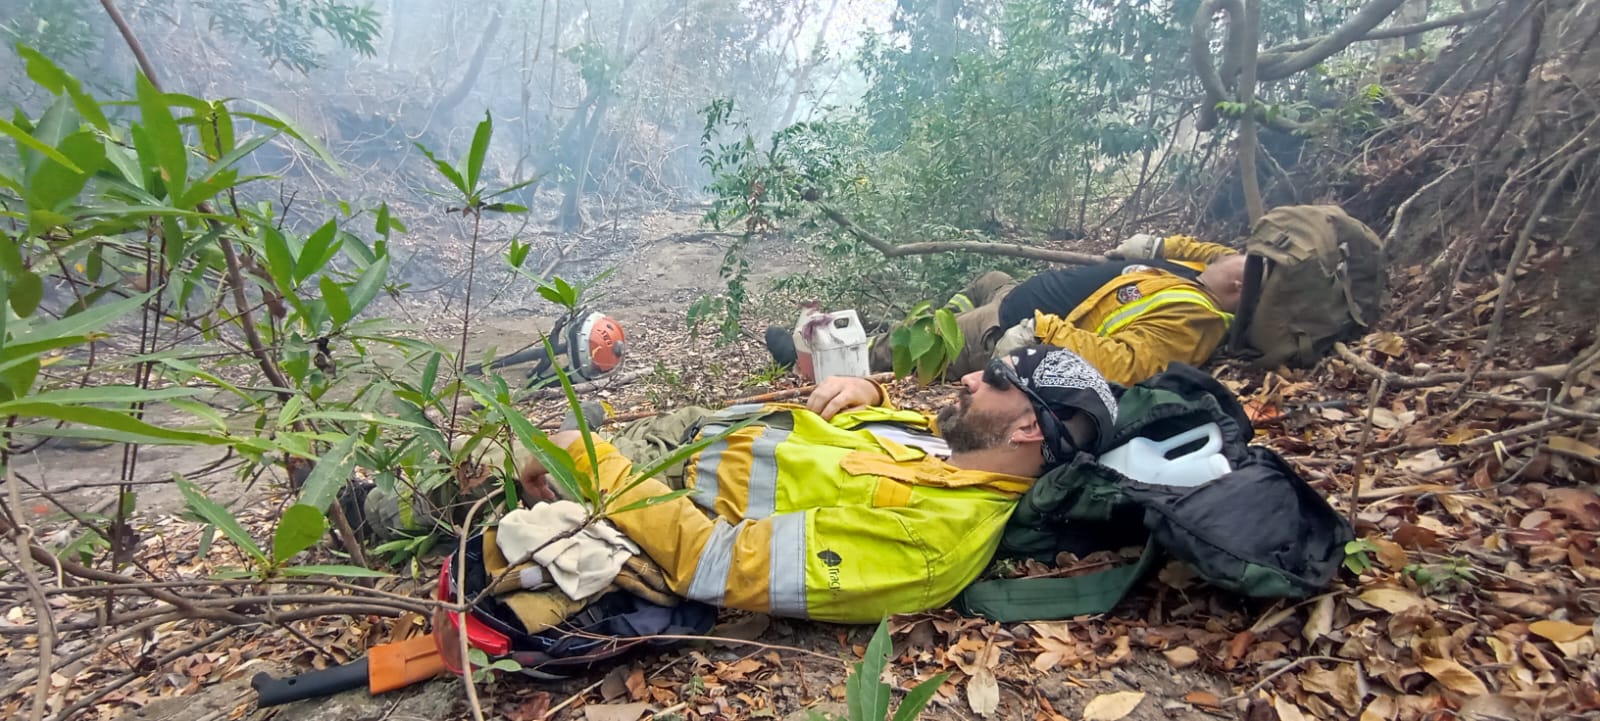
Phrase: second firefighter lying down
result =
(847, 509)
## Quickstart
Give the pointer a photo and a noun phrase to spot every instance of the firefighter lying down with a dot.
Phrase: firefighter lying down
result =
(844, 509)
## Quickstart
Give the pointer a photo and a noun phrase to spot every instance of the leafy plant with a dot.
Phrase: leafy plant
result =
(926, 342)
(1440, 577)
(1358, 555)
(486, 672)
(867, 696)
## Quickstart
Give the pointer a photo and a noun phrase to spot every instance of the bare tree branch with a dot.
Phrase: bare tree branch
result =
(1009, 250)
(1397, 31)
(1358, 26)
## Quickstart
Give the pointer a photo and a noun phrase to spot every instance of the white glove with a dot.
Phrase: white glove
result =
(1018, 336)
(1142, 245)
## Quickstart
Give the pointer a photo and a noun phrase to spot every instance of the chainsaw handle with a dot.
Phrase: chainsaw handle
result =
(315, 684)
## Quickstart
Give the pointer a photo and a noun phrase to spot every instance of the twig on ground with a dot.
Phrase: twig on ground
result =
(1397, 381)
(22, 537)
(574, 698)
(1287, 668)
(1374, 397)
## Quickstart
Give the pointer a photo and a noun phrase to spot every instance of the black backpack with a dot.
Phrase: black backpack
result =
(1259, 530)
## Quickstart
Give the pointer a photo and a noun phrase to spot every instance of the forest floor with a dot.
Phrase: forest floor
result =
(1477, 599)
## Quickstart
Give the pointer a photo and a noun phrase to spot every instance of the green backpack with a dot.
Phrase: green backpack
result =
(1314, 276)
(1258, 531)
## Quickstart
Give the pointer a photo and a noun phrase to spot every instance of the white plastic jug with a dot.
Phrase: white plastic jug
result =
(830, 344)
(1151, 461)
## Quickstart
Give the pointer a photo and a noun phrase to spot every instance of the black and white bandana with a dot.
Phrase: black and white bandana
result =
(1068, 384)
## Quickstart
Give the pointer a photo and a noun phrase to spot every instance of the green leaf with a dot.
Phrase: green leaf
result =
(865, 694)
(648, 502)
(280, 259)
(213, 513)
(949, 330)
(26, 140)
(338, 303)
(170, 152)
(52, 78)
(25, 292)
(16, 379)
(368, 286)
(339, 570)
(122, 394)
(102, 418)
(448, 171)
(278, 121)
(298, 529)
(88, 321)
(480, 148)
(320, 248)
(207, 187)
(329, 475)
(921, 342)
(52, 183)
(430, 374)
(911, 706)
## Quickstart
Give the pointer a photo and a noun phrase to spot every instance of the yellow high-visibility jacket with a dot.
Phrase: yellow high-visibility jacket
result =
(1133, 326)
(834, 521)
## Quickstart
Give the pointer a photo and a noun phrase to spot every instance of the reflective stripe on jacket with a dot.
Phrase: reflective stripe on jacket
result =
(1137, 323)
(812, 519)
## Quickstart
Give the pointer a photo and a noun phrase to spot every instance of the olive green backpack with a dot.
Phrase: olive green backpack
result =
(1314, 276)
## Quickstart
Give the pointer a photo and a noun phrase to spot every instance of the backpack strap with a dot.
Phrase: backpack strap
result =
(1010, 600)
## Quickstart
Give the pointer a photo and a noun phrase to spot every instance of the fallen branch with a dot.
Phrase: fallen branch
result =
(1398, 381)
(1008, 250)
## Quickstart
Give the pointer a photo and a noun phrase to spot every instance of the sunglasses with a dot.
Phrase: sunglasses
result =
(1000, 375)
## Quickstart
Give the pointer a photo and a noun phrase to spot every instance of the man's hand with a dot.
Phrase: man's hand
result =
(534, 479)
(1142, 245)
(841, 393)
(1018, 336)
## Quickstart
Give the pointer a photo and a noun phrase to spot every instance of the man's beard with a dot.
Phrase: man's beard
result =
(966, 430)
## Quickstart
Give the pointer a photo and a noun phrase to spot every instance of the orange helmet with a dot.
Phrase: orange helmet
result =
(595, 345)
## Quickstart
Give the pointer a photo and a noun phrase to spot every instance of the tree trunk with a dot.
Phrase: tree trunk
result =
(571, 218)
(446, 106)
(802, 76)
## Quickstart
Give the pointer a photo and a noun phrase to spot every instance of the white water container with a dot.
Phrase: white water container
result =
(830, 344)
(1151, 461)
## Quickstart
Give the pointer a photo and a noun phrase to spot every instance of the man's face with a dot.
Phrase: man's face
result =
(983, 416)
